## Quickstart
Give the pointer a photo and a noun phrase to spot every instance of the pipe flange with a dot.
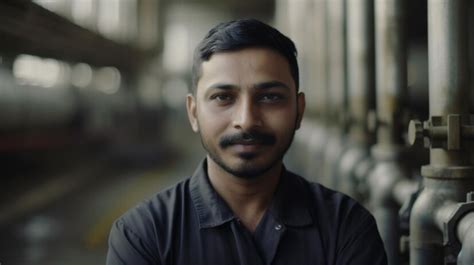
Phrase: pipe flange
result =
(450, 240)
(443, 172)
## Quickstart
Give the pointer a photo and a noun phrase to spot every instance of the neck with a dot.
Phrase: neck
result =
(248, 198)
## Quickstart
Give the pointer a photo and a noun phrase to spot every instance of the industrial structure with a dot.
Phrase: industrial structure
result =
(389, 117)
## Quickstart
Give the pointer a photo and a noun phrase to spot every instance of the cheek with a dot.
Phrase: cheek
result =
(281, 121)
(211, 123)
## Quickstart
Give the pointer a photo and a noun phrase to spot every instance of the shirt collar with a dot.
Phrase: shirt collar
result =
(290, 204)
(211, 208)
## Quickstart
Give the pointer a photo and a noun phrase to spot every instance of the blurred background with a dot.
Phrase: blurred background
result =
(92, 114)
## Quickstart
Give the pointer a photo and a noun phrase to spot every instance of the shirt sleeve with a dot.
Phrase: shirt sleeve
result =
(127, 248)
(362, 244)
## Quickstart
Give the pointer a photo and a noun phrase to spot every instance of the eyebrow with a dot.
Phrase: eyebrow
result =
(262, 85)
(223, 86)
(271, 84)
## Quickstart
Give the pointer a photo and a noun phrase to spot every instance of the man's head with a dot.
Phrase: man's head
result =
(239, 34)
(245, 103)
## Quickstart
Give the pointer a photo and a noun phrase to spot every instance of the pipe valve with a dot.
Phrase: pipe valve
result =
(442, 132)
(415, 131)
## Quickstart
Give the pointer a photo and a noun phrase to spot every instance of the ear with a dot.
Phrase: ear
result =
(301, 105)
(191, 109)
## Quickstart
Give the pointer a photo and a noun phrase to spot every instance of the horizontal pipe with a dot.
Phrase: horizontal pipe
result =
(465, 232)
(465, 225)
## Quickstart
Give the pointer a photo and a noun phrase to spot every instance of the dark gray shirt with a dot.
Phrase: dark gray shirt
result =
(190, 223)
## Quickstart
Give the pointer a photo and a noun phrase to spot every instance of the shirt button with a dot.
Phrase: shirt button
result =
(278, 227)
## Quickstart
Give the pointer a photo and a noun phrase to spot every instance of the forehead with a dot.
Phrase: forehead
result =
(245, 67)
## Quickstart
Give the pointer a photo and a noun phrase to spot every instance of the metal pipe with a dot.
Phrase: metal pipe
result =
(360, 84)
(465, 226)
(336, 89)
(448, 68)
(360, 65)
(465, 233)
(382, 182)
(449, 176)
(403, 189)
(336, 58)
(320, 70)
(391, 67)
(391, 90)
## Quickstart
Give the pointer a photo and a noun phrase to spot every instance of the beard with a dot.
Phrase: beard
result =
(249, 169)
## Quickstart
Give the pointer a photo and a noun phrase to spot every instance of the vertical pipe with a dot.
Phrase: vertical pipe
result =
(391, 86)
(315, 139)
(336, 87)
(320, 60)
(448, 68)
(449, 176)
(360, 65)
(336, 57)
(360, 85)
(391, 67)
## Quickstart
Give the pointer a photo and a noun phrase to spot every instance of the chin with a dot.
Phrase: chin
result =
(247, 167)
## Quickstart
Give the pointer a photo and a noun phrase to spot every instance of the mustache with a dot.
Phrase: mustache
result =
(255, 137)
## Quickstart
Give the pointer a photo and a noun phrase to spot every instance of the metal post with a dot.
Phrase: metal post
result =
(450, 174)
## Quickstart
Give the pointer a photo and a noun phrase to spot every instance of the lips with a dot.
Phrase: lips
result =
(247, 147)
(248, 142)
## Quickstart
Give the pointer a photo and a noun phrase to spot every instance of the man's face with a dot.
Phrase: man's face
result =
(246, 110)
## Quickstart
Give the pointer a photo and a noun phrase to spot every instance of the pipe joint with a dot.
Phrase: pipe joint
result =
(349, 165)
(451, 241)
(447, 172)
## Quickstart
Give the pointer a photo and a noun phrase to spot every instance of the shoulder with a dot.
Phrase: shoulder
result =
(151, 217)
(345, 225)
(334, 204)
(141, 235)
(333, 211)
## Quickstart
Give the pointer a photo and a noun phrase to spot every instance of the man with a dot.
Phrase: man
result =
(242, 206)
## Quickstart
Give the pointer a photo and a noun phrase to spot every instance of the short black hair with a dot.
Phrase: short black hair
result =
(239, 34)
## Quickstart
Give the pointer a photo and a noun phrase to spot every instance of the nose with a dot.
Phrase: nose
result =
(247, 115)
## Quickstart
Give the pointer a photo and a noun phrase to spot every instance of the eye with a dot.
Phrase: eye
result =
(272, 97)
(222, 97)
